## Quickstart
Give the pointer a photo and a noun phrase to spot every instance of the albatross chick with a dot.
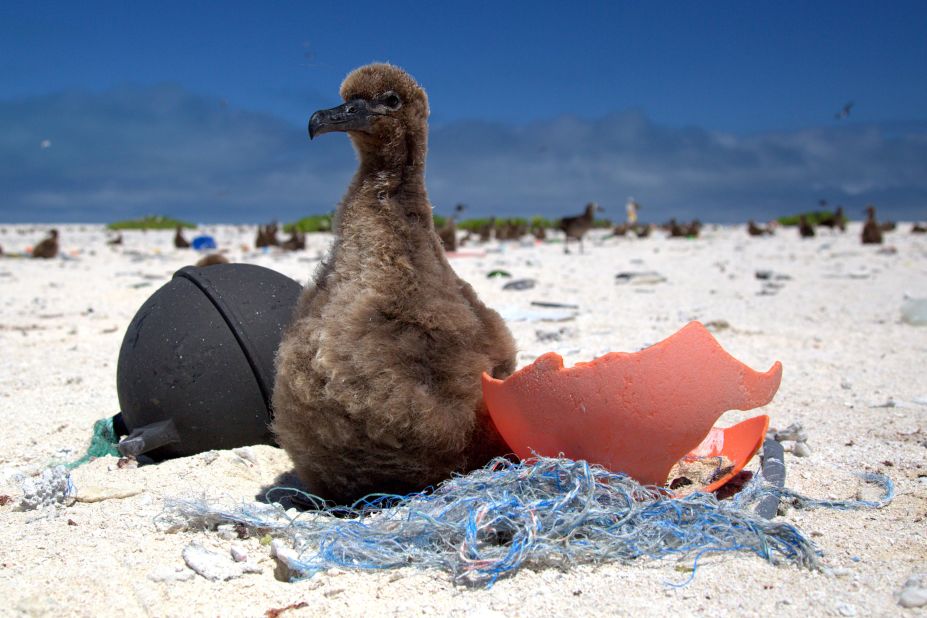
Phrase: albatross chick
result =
(48, 248)
(378, 376)
(179, 241)
(872, 231)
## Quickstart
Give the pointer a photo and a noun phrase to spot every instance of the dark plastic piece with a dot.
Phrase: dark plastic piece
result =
(149, 437)
(200, 354)
(774, 473)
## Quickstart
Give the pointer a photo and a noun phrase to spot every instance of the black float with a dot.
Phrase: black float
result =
(196, 367)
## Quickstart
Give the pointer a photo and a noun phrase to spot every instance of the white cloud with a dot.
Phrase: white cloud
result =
(163, 150)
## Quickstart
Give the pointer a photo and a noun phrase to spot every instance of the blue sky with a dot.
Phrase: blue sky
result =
(722, 110)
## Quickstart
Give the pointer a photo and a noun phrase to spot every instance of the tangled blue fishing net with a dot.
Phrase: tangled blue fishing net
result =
(545, 512)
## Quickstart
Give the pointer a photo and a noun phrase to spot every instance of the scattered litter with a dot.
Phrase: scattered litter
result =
(52, 487)
(520, 284)
(542, 303)
(203, 243)
(548, 336)
(498, 273)
(520, 314)
(215, 566)
(914, 591)
(914, 311)
(647, 277)
(546, 512)
(765, 275)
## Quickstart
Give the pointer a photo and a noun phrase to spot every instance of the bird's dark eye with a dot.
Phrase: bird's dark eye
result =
(391, 100)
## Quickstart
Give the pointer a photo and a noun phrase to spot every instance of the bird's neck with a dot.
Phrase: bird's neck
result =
(386, 207)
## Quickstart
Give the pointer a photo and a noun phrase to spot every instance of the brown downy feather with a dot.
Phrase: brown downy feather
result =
(211, 260)
(378, 385)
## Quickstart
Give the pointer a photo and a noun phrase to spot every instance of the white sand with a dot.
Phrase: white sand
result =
(839, 337)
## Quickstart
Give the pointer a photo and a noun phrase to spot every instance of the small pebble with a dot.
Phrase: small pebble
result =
(793, 432)
(170, 574)
(215, 566)
(238, 553)
(800, 449)
(287, 559)
(226, 531)
(914, 592)
(246, 453)
(846, 609)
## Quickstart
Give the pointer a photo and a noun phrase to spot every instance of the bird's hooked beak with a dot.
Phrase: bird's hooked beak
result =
(353, 115)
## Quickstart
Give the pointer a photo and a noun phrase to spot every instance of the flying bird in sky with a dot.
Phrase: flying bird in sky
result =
(845, 112)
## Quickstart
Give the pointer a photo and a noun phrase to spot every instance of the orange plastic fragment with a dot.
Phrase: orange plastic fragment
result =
(738, 443)
(637, 413)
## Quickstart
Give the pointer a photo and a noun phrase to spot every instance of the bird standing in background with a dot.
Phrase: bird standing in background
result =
(179, 241)
(48, 248)
(576, 227)
(872, 231)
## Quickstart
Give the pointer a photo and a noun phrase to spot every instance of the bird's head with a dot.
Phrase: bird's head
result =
(384, 111)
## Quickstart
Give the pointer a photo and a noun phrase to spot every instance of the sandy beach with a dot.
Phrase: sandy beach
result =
(853, 378)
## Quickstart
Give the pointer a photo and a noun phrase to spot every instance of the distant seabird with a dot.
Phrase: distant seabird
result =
(576, 227)
(48, 248)
(872, 231)
(179, 241)
(805, 229)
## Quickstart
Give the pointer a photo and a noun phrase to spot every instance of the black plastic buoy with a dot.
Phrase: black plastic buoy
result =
(196, 367)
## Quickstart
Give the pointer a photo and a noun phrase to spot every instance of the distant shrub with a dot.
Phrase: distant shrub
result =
(151, 222)
(472, 225)
(541, 222)
(312, 223)
(815, 217)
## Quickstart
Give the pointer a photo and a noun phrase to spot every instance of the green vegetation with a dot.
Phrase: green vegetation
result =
(541, 222)
(815, 217)
(151, 222)
(472, 225)
(312, 223)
